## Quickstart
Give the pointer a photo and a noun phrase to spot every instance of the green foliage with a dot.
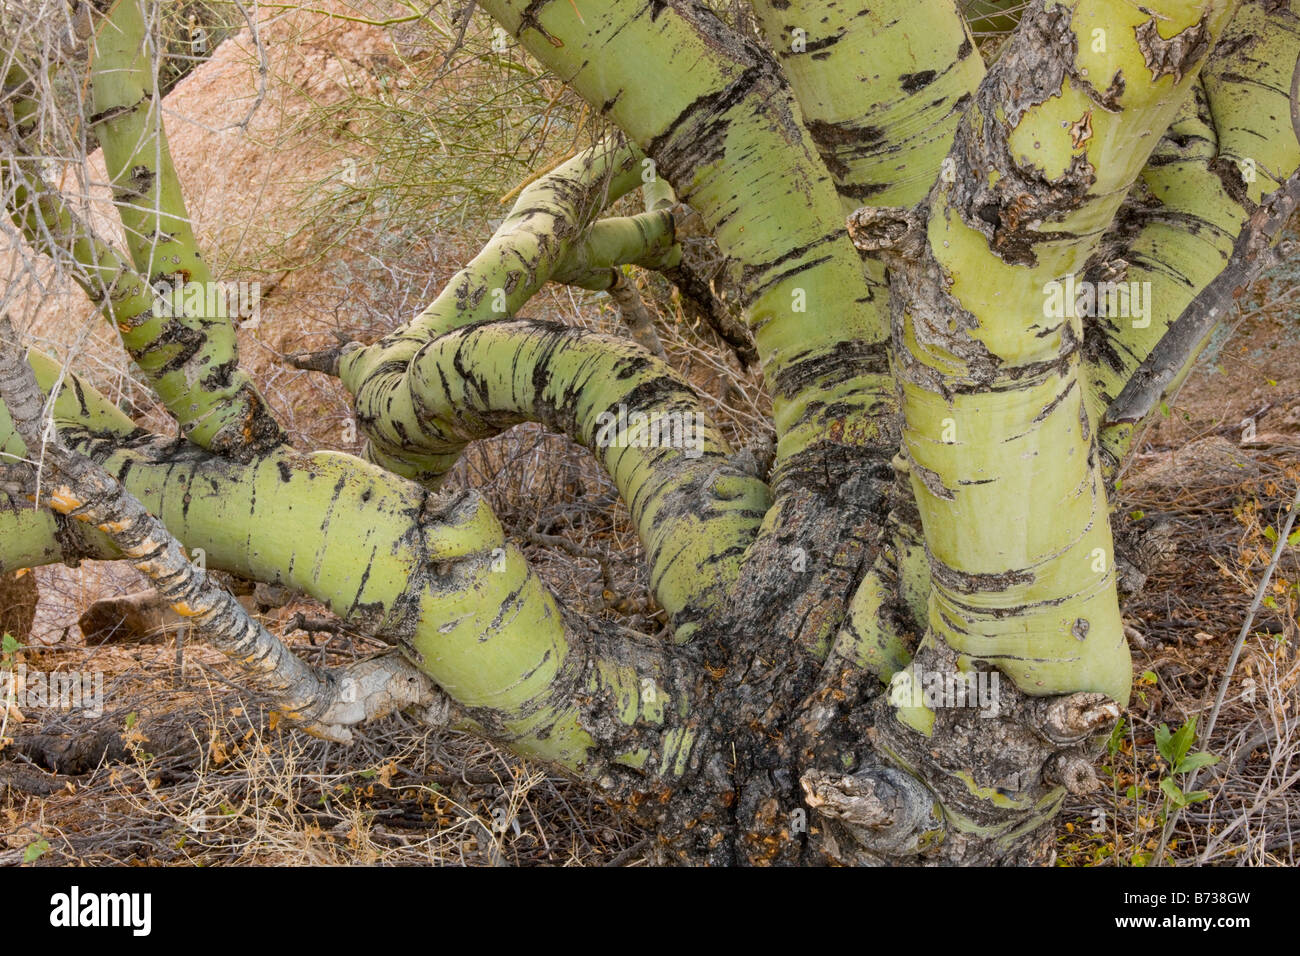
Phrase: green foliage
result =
(35, 851)
(444, 136)
(1174, 747)
(9, 646)
(1116, 738)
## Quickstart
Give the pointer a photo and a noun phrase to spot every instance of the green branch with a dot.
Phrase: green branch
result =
(694, 505)
(1230, 146)
(881, 88)
(433, 574)
(723, 128)
(187, 348)
(997, 436)
(881, 91)
(535, 240)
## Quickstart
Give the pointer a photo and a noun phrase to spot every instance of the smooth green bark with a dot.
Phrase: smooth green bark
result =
(881, 88)
(695, 508)
(434, 574)
(727, 135)
(535, 240)
(184, 343)
(1231, 144)
(646, 239)
(997, 436)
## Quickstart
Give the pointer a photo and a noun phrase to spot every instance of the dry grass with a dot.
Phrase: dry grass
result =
(1225, 499)
(1188, 617)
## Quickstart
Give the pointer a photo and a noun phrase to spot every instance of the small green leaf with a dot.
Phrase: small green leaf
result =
(1177, 798)
(1116, 738)
(1137, 515)
(1293, 538)
(1183, 741)
(1194, 762)
(1163, 739)
(35, 851)
(367, 774)
(1164, 409)
(130, 720)
(1131, 792)
(10, 644)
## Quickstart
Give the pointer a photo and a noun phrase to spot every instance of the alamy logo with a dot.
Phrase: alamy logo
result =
(915, 687)
(654, 430)
(61, 690)
(1114, 300)
(75, 909)
(239, 301)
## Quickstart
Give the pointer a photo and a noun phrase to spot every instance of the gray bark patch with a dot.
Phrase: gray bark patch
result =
(1176, 56)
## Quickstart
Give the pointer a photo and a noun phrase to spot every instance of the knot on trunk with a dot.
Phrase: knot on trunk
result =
(1068, 720)
(996, 762)
(883, 812)
(891, 234)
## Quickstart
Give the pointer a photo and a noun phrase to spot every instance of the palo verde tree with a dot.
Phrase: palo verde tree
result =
(967, 277)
